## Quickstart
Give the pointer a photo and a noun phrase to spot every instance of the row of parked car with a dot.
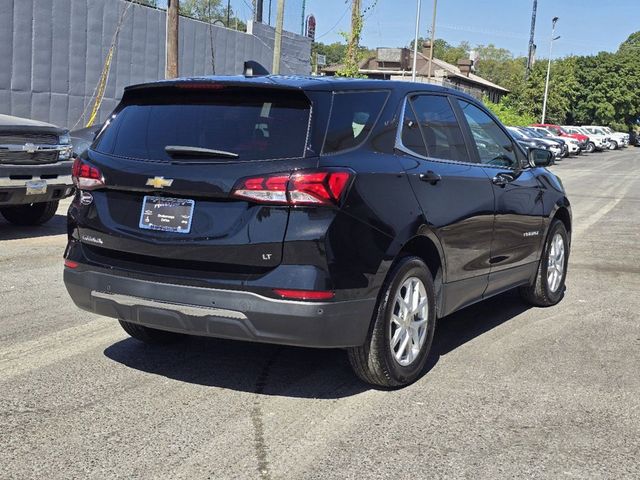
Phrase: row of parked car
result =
(567, 140)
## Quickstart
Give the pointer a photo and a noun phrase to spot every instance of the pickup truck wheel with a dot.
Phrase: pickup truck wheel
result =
(148, 335)
(591, 147)
(31, 214)
(402, 329)
(548, 287)
(613, 145)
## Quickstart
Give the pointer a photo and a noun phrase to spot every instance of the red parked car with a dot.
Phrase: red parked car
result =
(561, 132)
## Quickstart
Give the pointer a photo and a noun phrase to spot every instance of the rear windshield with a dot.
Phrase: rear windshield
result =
(252, 124)
(353, 116)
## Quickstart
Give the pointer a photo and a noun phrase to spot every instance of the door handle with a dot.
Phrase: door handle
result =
(430, 177)
(501, 179)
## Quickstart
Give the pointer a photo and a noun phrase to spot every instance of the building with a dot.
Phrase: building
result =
(397, 63)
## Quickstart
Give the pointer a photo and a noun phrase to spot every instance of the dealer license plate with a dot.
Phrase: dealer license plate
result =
(167, 214)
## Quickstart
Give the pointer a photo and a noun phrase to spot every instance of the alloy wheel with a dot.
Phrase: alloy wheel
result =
(555, 264)
(409, 319)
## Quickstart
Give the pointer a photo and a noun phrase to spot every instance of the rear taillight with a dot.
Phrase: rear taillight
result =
(86, 177)
(300, 188)
(70, 263)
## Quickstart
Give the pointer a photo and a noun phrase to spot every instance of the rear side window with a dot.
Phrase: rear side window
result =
(411, 135)
(353, 116)
(255, 125)
(440, 128)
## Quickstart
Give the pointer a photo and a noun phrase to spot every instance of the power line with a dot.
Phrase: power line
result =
(336, 24)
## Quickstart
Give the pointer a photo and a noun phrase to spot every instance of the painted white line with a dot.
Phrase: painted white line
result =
(35, 354)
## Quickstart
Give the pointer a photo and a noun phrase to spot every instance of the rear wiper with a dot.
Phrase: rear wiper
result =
(185, 151)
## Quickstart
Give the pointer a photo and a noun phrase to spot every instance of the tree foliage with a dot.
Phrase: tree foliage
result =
(508, 115)
(597, 89)
(211, 11)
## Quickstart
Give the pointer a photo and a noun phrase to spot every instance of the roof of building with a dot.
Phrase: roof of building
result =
(452, 71)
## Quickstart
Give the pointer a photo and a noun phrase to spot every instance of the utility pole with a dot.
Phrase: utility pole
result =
(277, 43)
(269, 21)
(546, 85)
(171, 60)
(354, 39)
(415, 41)
(532, 46)
(228, 13)
(259, 7)
(433, 38)
(304, 8)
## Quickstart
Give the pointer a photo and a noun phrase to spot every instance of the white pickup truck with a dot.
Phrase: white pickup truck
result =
(617, 139)
(597, 141)
(35, 170)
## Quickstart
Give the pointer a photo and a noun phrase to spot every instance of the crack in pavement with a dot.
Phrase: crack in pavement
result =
(257, 418)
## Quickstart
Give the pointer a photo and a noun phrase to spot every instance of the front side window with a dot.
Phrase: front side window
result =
(493, 145)
(442, 134)
(353, 116)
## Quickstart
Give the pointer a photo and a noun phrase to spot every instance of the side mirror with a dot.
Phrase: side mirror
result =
(540, 158)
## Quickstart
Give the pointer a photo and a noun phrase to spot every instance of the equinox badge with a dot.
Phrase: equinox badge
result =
(159, 182)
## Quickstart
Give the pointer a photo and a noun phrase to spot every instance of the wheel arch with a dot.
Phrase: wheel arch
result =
(561, 211)
(426, 246)
(563, 214)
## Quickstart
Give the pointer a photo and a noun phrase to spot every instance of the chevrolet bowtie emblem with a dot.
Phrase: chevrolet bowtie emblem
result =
(159, 182)
(29, 148)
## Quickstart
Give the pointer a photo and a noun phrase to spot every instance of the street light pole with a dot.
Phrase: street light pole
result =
(546, 86)
(415, 41)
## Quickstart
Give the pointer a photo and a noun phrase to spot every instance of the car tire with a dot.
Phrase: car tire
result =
(151, 336)
(614, 145)
(30, 214)
(591, 147)
(399, 340)
(549, 285)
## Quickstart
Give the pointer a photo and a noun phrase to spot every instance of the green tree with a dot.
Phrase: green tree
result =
(596, 89)
(631, 44)
(210, 11)
(149, 3)
(507, 114)
(335, 52)
(443, 50)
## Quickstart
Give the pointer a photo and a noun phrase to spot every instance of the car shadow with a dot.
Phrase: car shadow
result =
(56, 226)
(291, 371)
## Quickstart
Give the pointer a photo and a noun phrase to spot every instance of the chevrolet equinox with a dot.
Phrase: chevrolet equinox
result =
(314, 212)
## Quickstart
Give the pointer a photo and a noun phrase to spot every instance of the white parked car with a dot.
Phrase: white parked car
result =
(572, 143)
(597, 141)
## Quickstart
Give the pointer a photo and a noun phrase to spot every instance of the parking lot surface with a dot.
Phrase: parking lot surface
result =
(511, 391)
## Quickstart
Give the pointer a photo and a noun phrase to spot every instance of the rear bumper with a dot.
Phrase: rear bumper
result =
(239, 315)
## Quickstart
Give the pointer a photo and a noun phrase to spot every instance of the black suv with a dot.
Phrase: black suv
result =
(312, 212)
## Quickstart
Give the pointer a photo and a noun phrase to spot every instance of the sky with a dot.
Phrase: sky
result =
(585, 26)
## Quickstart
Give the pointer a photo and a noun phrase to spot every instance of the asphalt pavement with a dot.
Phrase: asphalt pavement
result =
(511, 391)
